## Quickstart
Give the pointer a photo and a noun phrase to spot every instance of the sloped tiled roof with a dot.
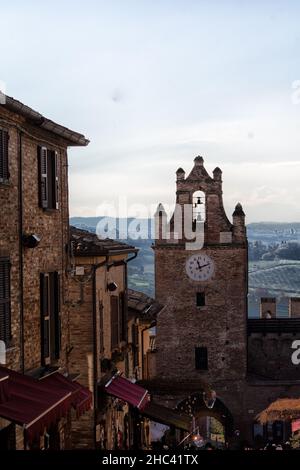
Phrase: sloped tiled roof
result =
(143, 306)
(33, 117)
(86, 243)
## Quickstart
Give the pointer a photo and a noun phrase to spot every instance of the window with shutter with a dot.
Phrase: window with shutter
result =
(50, 317)
(43, 171)
(5, 313)
(45, 319)
(122, 318)
(4, 173)
(56, 316)
(135, 344)
(114, 315)
(48, 178)
(201, 359)
(101, 326)
(56, 181)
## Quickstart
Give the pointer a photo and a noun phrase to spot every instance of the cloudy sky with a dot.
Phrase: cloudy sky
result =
(153, 83)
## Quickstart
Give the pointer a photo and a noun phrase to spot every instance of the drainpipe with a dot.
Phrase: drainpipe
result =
(21, 276)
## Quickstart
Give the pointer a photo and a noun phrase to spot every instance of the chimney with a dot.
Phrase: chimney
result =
(267, 307)
(294, 307)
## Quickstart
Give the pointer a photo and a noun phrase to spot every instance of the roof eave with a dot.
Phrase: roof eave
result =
(72, 138)
(89, 254)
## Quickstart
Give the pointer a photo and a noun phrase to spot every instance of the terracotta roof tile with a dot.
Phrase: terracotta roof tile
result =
(143, 306)
(86, 243)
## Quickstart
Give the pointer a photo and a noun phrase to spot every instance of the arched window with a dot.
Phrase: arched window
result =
(198, 207)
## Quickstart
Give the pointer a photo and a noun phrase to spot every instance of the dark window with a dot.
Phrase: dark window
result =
(48, 178)
(122, 318)
(8, 437)
(201, 360)
(200, 299)
(135, 344)
(114, 316)
(4, 173)
(50, 317)
(5, 320)
(118, 320)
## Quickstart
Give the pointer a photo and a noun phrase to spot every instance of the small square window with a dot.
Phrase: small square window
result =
(201, 359)
(200, 299)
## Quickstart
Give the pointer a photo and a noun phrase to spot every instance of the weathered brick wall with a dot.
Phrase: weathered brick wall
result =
(220, 325)
(9, 241)
(82, 333)
(270, 355)
(52, 227)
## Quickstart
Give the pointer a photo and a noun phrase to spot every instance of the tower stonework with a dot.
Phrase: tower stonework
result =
(204, 339)
(220, 323)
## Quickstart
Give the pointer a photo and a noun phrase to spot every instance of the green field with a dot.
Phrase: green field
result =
(282, 276)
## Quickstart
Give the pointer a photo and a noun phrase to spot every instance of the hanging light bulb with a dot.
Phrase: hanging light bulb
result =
(199, 200)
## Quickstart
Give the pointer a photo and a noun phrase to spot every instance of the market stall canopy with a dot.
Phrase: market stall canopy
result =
(283, 409)
(139, 397)
(127, 391)
(36, 404)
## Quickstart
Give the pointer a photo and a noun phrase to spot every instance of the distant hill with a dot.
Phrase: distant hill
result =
(271, 232)
(279, 277)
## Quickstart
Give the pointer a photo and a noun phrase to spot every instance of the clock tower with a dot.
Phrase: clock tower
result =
(202, 282)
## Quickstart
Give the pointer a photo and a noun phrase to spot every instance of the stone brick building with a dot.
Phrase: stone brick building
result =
(99, 332)
(34, 240)
(203, 333)
(111, 341)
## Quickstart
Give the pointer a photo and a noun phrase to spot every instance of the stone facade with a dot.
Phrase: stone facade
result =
(202, 332)
(94, 353)
(22, 215)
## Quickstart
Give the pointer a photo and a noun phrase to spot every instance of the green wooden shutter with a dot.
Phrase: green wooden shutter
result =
(45, 318)
(101, 315)
(56, 182)
(43, 177)
(114, 316)
(57, 315)
(5, 313)
(135, 344)
(122, 318)
(4, 173)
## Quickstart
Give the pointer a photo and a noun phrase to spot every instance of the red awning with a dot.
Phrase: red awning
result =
(36, 404)
(127, 391)
(81, 398)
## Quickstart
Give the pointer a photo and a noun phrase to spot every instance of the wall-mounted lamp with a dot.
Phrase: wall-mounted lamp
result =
(112, 286)
(30, 240)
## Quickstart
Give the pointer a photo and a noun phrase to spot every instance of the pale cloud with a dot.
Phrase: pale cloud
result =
(153, 84)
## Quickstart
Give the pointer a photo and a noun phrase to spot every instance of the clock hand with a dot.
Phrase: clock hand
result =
(203, 265)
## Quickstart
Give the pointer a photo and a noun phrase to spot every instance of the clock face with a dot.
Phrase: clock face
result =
(199, 267)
